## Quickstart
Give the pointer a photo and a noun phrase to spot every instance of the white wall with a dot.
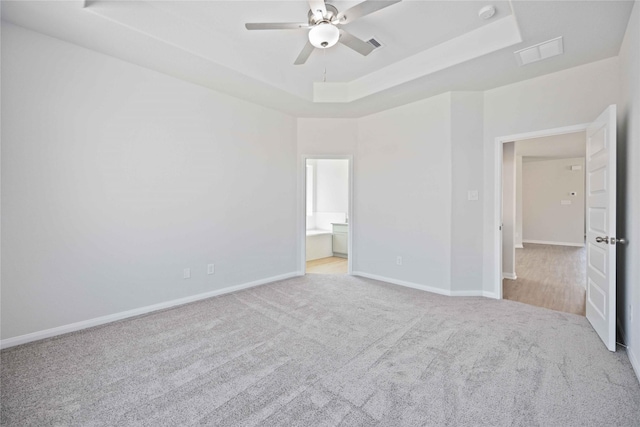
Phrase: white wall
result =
(319, 137)
(332, 192)
(629, 188)
(467, 168)
(509, 210)
(327, 136)
(115, 178)
(402, 188)
(574, 96)
(145, 202)
(403, 193)
(545, 184)
(518, 200)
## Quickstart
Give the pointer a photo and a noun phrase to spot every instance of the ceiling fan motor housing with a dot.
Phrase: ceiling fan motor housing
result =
(323, 23)
(316, 17)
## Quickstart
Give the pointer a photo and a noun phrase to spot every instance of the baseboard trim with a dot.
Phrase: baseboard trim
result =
(630, 354)
(545, 242)
(466, 293)
(402, 283)
(73, 327)
(425, 288)
(510, 276)
(519, 246)
(491, 295)
(634, 362)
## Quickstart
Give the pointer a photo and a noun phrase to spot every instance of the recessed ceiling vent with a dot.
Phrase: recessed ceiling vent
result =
(540, 51)
(375, 43)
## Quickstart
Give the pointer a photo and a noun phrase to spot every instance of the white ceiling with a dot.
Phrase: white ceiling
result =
(205, 42)
(565, 146)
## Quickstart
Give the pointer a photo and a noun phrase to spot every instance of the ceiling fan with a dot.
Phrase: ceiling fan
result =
(323, 25)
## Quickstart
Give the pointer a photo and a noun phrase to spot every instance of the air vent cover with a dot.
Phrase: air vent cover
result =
(375, 43)
(540, 51)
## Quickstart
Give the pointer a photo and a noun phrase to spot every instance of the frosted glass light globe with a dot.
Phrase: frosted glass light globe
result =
(324, 35)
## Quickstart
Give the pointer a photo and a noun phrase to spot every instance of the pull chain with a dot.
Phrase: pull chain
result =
(324, 57)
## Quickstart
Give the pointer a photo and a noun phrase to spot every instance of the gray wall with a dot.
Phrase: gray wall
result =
(629, 189)
(570, 97)
(545, 185)
(115, 178)
(413, 166)
(403, 193)
(466, 172)
(508, 209)
(518, 231)
(402, 173)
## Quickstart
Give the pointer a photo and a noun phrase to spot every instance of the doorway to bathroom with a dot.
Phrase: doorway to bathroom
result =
(327, 203)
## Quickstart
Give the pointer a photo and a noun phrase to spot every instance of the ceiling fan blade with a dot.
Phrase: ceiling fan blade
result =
(355, 43)
(317, 6)
(304, 55)
(363, 9)
(276, 26)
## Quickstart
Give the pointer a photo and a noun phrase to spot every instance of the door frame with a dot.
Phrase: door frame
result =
(302, 211)
(497, 176)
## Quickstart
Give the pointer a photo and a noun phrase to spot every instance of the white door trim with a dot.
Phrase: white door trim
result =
(497, 179)
(302, 216)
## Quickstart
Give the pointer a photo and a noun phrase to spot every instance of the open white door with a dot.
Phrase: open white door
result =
(601, 226)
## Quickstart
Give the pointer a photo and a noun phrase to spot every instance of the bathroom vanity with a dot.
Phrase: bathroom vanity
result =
(340, 241)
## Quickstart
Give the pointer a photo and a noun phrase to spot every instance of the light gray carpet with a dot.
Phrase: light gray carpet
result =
(325, 350)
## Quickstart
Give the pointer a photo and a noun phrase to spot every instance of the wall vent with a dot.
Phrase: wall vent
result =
(540, 51)
(375, 43)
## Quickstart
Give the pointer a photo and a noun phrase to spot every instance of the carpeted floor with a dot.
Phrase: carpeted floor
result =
(325, 350)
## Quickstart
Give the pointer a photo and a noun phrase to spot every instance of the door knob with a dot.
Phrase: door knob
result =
(620, 240)
(604, 239)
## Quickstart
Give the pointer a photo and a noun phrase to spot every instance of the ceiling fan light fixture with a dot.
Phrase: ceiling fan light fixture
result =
(324, 35)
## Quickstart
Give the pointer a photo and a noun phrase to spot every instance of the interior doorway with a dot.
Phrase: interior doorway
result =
(327, 207)
(543, 212)
(601, 202)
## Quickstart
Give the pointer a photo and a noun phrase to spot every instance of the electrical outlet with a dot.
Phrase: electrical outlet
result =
(399, 260)
(186, 273)
(211, 268)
